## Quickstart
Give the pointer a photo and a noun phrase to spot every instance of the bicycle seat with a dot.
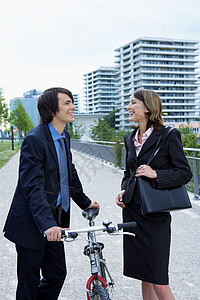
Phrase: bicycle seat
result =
(90, 213)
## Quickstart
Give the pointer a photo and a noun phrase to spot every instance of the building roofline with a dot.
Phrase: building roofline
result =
(99, 69)
(159, 39)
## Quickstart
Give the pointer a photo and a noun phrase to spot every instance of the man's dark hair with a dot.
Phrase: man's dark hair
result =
(48, 103)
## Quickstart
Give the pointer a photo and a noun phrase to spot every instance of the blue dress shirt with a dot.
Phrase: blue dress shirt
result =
(56, 136)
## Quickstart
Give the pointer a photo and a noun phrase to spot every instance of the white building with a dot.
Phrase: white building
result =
(167, 66)
(76, 102)
(86, 121)
(100, 90)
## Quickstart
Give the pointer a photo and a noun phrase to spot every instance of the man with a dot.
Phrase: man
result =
(41, 203)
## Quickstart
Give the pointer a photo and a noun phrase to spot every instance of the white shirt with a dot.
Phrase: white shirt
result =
(145, 136)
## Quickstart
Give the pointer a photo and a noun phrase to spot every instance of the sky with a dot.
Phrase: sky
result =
(48, 43)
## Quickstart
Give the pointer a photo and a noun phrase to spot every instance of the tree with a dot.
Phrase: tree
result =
(104, 130)
(189, 138)
(111, 118)
(4, 118)
(20, 118)
(101, 131)
(76, 130)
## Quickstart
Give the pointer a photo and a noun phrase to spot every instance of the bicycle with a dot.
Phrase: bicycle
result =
(100, 285)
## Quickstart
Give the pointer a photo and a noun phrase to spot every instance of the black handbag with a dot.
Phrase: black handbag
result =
(161, 200)
(154, 200)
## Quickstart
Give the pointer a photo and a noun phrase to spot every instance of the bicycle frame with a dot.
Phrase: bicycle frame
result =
(95, 249)
(100, 279)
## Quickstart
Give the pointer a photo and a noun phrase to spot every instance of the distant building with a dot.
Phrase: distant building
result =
(76, 103)
(29, 101)
(167, 66)
(87, 120)
(100, 91)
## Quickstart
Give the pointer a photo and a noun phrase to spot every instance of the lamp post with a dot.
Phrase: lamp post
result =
(12, 137)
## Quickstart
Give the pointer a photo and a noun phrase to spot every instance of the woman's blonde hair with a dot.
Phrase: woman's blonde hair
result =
(153, 103)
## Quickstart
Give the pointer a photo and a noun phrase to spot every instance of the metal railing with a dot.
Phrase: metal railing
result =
(105, 151)
(194, 162)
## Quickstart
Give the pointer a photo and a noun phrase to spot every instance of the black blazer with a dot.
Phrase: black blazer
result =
(35, 198)
(170, 162)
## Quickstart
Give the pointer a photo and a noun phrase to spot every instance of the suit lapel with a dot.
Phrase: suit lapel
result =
(50, 143)
(130, 144)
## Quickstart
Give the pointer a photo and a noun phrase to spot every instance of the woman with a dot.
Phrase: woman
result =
(146, 257)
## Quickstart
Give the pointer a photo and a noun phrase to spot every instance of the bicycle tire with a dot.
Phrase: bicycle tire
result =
(100, 293)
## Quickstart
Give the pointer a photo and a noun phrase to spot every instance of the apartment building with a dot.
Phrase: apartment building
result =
(100, 90)
(76, 103)
(167, 66)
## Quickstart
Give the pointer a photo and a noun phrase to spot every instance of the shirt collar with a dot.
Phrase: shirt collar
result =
(145, 135)
(55, 134)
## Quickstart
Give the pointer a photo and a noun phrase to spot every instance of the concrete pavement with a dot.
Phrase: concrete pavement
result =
(101, 182)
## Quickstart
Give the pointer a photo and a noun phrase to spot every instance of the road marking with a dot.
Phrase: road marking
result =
(189, 284)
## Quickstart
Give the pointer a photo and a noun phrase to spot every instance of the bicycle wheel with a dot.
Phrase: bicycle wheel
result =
(100, 293)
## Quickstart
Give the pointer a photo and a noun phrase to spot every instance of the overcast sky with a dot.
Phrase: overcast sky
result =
(47, 43)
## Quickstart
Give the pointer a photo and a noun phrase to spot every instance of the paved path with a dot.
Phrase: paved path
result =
(101, 183)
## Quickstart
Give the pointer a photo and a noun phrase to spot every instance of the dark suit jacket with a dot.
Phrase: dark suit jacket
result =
(170, 162)
(35, 198)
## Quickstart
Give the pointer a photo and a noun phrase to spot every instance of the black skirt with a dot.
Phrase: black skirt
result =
(146, 256)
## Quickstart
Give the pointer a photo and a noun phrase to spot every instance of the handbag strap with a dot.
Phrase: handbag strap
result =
(160, 143)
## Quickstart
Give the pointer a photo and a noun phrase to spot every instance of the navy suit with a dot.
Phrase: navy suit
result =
(33, 208)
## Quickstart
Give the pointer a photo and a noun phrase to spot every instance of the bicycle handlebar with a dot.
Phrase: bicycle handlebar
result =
(126, 225)
(109, 229)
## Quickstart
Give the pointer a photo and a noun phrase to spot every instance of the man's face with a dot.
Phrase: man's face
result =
(65, 113)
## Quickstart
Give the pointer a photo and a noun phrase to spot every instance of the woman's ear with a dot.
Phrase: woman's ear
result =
(146, 110)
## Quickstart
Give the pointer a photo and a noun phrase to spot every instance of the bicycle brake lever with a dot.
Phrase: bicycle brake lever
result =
(122, 233)
(127, 233)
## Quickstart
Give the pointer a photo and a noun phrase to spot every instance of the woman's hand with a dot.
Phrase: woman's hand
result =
(147, 171)
(119, 199)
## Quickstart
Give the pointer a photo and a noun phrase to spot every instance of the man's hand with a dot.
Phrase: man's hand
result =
(119, 199)
(94, 204)
(53, 234)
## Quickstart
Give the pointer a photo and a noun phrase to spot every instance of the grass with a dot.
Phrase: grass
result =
(6, 151)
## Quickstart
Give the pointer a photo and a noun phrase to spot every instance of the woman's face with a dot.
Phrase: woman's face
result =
(137, 110)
